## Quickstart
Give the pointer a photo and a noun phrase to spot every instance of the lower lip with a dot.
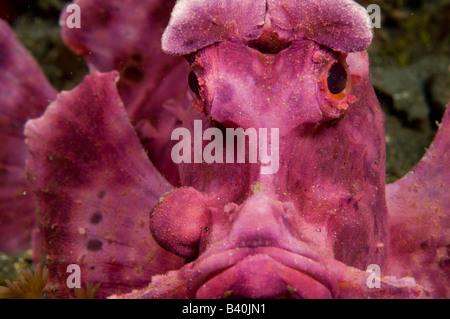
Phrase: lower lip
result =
(269, 272)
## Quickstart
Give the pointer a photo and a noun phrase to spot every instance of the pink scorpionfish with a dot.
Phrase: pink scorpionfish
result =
(314, 219)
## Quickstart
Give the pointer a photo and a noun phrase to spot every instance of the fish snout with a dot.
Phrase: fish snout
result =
(261, 222)
(258, 255)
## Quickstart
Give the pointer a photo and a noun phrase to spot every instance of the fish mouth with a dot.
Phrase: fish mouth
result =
(262, 272)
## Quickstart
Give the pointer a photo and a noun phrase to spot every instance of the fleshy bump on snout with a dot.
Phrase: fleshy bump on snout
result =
(178, 221)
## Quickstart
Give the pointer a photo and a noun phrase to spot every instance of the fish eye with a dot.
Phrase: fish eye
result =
(194, 84)
(337, 78)
(334, 85)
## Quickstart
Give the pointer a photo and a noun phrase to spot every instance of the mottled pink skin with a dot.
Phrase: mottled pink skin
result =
(124, 35)
(212, 23)
(419, 219)
(308, 231)
(341, 25)
(25, 92)
(338, 24)
(95, 187)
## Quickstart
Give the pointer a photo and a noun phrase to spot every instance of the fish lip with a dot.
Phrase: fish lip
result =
(201, 271)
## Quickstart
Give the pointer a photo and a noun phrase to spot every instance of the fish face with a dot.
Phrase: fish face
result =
(277, 235)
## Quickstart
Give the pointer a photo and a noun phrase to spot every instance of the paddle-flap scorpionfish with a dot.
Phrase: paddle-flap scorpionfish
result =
(303, 213)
